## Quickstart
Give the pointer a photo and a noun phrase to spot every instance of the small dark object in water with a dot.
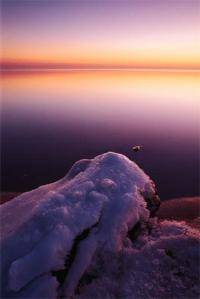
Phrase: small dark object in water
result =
(137, 148)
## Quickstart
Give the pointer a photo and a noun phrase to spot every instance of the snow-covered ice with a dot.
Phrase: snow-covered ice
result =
(79, 237)
(161, 264)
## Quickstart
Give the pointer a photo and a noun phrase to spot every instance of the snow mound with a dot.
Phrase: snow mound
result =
(92, 207)
(161, 264)
(53, 237)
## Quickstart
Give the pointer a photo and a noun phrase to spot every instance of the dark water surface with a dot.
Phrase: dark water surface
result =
(52, 119)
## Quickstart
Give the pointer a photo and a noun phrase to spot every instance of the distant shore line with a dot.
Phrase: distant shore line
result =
(45, 69)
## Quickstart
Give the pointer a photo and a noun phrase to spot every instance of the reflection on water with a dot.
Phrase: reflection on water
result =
(51, 119)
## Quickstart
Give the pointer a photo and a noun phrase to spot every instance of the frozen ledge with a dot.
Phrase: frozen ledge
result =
(52, 236)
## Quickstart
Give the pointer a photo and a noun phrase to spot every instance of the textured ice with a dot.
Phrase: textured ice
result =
(53, 237)
(162, 264)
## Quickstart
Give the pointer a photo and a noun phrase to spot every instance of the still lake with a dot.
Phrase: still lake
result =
(50, 119)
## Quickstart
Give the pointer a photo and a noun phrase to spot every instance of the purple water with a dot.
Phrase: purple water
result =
(52, 119)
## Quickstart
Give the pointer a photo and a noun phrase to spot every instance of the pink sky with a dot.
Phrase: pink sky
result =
(147, 34)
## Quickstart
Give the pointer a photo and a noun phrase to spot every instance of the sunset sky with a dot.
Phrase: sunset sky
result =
(101, 34)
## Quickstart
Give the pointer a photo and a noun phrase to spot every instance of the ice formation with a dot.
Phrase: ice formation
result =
(53, 237)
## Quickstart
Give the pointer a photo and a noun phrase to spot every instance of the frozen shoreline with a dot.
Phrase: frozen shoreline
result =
(93, 234)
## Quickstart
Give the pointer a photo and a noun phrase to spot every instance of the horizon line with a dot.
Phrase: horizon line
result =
(21, 69)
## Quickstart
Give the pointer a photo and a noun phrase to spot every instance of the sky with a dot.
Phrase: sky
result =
(101, 34)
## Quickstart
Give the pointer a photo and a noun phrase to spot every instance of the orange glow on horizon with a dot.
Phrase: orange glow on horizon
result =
(128, 34)
(129, 58)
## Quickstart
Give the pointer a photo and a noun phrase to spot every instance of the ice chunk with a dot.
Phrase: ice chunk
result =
(103, 197)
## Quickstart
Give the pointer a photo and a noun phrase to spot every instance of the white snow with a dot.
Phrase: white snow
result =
(163, 264)
(49, 252)
(75, 222)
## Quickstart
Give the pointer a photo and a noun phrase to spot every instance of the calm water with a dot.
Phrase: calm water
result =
(52, 119)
